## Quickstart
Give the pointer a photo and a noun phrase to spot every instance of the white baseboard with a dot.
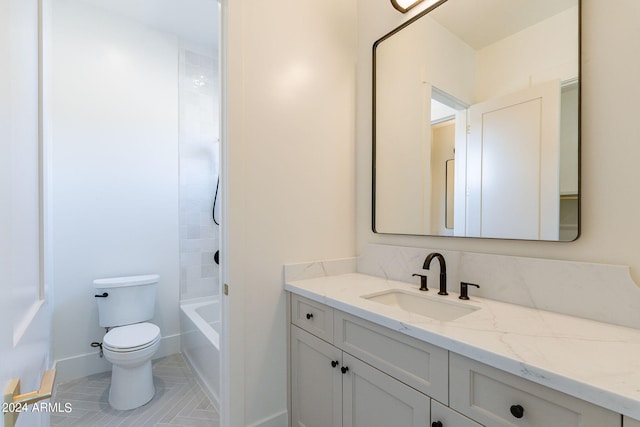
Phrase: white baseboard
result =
(278, 420)
(74, 367)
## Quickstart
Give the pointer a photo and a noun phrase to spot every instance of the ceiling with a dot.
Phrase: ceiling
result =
(480, 23)
(192, 20)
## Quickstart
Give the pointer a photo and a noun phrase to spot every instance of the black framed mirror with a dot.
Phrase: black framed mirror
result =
(495, 86)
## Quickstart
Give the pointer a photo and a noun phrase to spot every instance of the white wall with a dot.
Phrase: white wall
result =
(402, 139)
(537, 54)
(610, 149)
(291, 103)
(409, 64)
(115, 171)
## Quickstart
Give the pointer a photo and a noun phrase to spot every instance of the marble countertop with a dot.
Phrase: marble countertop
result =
(594, 361)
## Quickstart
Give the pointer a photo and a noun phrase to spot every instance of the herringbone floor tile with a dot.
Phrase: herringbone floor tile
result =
(179, 401)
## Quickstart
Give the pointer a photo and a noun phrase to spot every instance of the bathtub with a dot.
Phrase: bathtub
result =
(200, 327)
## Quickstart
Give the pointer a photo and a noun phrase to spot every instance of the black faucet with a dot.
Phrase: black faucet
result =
(443, 270)
(464, 290)
(423, 282)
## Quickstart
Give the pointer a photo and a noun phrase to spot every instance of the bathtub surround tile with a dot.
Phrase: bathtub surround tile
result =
(206, 217)
(179, 400)
(193, 245)
(208, 270)
(207, 258)
(190, 258)
(193, 231)
(199, 167)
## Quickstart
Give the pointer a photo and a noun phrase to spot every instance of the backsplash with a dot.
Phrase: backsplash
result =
(601, 292)
(311, 270)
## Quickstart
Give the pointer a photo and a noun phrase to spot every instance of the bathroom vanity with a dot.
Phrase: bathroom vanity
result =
(362, 355)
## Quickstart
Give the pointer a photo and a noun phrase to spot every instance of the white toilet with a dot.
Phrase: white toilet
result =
(125, 304)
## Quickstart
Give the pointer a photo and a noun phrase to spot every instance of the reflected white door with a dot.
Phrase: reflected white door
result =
(25, 338)
(513, 165)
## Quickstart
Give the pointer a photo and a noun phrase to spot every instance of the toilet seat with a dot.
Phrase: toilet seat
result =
(129, 338)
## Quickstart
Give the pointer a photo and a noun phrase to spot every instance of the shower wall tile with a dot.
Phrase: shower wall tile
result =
(208, 270)
(193, 232)
(207, 258)
(190, 258)
(199, 168)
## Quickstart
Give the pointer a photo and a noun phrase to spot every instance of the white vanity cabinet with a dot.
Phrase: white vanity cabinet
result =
(372, 398)
(316, 381)
(630, 422)
(347, 371)
(496, 398)
(416, 363)
(442, 416)
(313, 317)
(330, 387)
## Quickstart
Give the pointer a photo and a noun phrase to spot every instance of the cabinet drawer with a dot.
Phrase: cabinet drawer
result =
(448, 417)
(488, 395)
(415, 363)
(630, 422)
(312, 316)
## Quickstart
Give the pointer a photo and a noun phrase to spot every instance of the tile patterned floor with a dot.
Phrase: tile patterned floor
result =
(179, 401)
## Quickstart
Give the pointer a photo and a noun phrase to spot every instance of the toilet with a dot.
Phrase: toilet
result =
(125, 305)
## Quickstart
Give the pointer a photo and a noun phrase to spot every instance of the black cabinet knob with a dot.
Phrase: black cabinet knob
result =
(436, 424)
(309, 316)
(517, 411)
(334, 363)
(344, 369)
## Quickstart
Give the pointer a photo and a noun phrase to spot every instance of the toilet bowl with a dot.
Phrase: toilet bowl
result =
(130, 349)
(125, 304)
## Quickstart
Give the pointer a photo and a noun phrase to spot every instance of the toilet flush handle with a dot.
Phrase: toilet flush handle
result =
(104, 295)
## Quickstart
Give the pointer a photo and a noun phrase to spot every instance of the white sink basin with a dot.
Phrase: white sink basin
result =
(424, 305)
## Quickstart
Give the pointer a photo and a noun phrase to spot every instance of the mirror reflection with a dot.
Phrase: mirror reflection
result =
(476, 122)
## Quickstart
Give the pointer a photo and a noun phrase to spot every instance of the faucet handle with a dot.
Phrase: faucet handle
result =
(464, 290)
(423, 282)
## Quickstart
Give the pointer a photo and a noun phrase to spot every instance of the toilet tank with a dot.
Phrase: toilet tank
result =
(128, 299)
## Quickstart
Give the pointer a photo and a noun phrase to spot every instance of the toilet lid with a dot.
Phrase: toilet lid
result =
(131, 336)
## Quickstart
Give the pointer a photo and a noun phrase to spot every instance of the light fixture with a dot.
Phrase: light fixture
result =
(405, 5)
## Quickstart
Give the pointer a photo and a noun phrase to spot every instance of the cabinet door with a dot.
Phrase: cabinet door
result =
(316, 385)
(443, 416)
(372, 398)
